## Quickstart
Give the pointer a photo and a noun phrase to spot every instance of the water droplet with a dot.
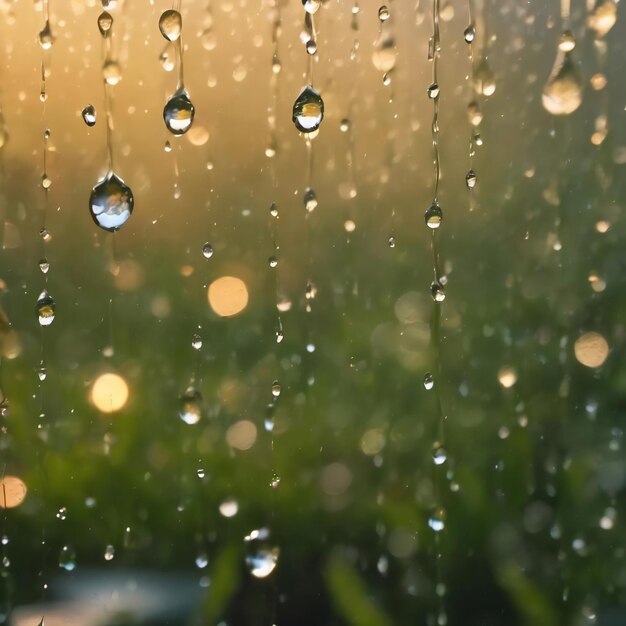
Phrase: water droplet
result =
(229, 508)
(62, 513)
(196, 342)
(344, 125)
(276, 389)
(437, 291)
(310, 199)
(433, 91)
(261, 557)
(41, 374)
(171, 24)
(272, 261)
(391, 241)
(603, 17)
(311, 47)
(276, 65)
(46, 38)
(190, 406)
(168, 58)
(45, 235)
(275, 481)
(429, 381)
(562, 94)
(46, 183)
(484, 78)
(105, 23)
(433, 215)
(109, 553)
(112, 72)
(311, 6)
(385, 53)
(178, 113)
(437, 520)
(45, 309)
(202, 560)
(274, 210)
(111, 202)
(201, 473)
(471, 179)
(44, 266)
(5, 540)
(474, 113)
(469, 34)
(89, 115)
(207, 250)
(279, 336)
(383, 13)
(439, 454)
(308, 110)
(67, 558)
(567, 42)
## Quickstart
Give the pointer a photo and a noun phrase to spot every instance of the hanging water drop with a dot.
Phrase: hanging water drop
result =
(276, 389)
(111, 203)
(190, 406)
(171, 24)
(385, 53)
(311, 47)
(89, 115)
(275, 481)
(383, 13)
(310, 199)
(567, 42)
(207, 250)
(469, 34)
(437, 520)
(344, 125)
(46, 38)
(471, 179)
(109, 553)
(67, 558)
(44, 266)
(484, 79)
(433, 91)
(391, 241)
(439, 454)
(272, 261)
(433, 216)
(563, 92)
(474, 113)
(311, 6)
(308, 110)
(46, 182)
(46, 308)
(437, 291)
(261, 557)
(111, 72)
(42, 373)
(429, 381)
(196, 342)
(178, 113)
(105, 23)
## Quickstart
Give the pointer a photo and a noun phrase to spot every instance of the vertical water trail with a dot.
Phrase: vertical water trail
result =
(469, 35)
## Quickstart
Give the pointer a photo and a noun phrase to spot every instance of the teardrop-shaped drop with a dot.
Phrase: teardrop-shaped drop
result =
(105, 23)
(310, 199)
(484, 79)
(567, 42)
(383, 13)
(171, 24)
(111, 72)
(178, 113)
(111, 202)
(385, 53)
(437, 291)
(433, 216)
(46, 38)
(89, 115)
(563, 93)
(471, 179)
(308, 110)
(603, 17)
(190, 406)
(311, 6)
(469, 34)
(45, 309)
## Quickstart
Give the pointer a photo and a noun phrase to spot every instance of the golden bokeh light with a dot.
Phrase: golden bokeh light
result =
(507, 377)
(12, 492)
(228, 296)
(241, 435)
(591, 349)
(109, 393)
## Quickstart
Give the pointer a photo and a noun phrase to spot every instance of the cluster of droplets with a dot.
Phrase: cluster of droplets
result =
(385, 53)
(475, 117)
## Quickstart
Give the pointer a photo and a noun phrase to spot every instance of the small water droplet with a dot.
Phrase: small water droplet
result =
(109, 553)
(311, 47)
(433, 215)
(474, 113)
(46, 38)
(433, 91)
(112, 72)
(111, 202)
(471, 179)
(344, 125)
(201, 472)
(46, 182)
(383, 13)
(391, 241)
(275, 481)
(89, 115)
(274, 210)
(44, 266)
(437, 291)
(310, 199)
(276, 389)
(171, 24)
(46, 308)
(429, 381)
(67, 558)
(276, 65)
(229, 508)
(207, 250)
(62, 513)
(439, 454)
(178, 113)
(308, 110)
(385, 53)
(272, 261)
(105, 23)
(190, 406)
(484, 78)
(469, 33)
(311, 6)
(567, 42)
(42, 373)
(196, 342)
(45, 235)
(202, 560)
(437, 520)
(261, 557)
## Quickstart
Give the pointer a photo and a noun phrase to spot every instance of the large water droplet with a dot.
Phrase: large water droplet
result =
(433, 215)
(484, 78)
(383, 13)
(178, 113)
(190, 406)
(385, 53)
(111, 72)
(105, 23)
(563, 93)
(46, 38)
(261, 557)
(111, 202)
(45, 309)
(308, 110)
(171, 24)
(89, 115)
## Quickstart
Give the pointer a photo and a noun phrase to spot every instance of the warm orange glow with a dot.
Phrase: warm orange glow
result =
(12, 492)
(109, 393)
(228, 296)
(241, 435)
(591, 349)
